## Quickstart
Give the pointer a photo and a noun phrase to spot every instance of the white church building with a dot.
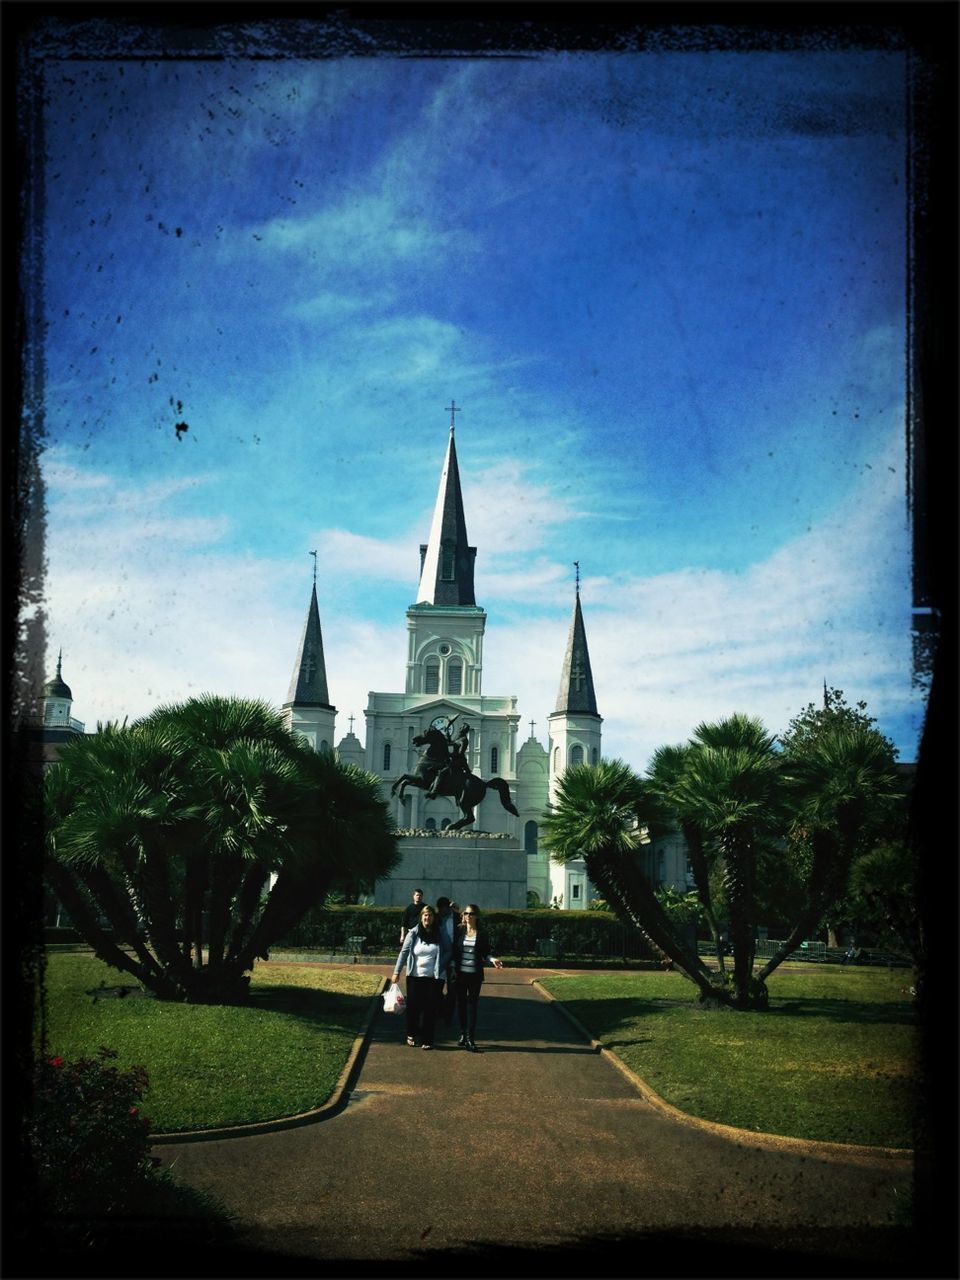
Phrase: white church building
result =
(499, 859)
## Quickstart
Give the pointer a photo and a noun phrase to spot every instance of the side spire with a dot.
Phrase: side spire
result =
(446, 560)
(576, 691)
(308, 686)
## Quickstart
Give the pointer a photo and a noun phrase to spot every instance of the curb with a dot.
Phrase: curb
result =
(822, 1150)
(336, 1103)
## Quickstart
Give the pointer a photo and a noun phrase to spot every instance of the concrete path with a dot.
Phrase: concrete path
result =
(539, 1143)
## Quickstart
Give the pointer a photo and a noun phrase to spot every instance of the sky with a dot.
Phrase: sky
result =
(667, 290)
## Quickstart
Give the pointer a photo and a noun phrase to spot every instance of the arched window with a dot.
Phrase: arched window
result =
(386, 757)
(430, 824)
(494, 759)
(556, 759)
(530, 836)
(324, 745)
(576, 754)
(444, 824)
(431, 676)
(593, 756)
(455, 676)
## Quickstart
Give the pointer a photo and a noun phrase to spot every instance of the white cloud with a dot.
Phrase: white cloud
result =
(144, 617)
(365, 230)
(360, 557)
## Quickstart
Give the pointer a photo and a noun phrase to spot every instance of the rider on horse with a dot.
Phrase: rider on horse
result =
(457, 767)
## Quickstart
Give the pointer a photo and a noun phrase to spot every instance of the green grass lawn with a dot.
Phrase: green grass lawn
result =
(215, 1065)
(834, 1059)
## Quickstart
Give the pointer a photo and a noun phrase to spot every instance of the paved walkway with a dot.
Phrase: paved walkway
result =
(539, 1142)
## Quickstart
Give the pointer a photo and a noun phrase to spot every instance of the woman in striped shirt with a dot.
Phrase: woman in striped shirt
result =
(471, 951)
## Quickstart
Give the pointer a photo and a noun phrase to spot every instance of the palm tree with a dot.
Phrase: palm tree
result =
(842, 788)
(599, 813)
(665, 776)
(174, 828)
(733, 791)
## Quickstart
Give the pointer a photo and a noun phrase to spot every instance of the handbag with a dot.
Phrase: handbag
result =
(394, 1000)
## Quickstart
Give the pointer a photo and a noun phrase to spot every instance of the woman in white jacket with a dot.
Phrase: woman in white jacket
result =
(425, 959)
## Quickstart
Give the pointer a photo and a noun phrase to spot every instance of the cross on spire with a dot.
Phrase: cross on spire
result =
(351, 724)
(452, 409)
(532, 723)
(576, 565)
(314, 554)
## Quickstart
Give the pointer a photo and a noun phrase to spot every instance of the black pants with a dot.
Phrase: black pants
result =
(468, 996)
(423, 997)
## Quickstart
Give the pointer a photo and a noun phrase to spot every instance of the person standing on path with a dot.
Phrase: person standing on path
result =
(471, 951)
(425, 958)
(411, 913)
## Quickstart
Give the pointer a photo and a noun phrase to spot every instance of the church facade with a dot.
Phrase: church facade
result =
(500, 859)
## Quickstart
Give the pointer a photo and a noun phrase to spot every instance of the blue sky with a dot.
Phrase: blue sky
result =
(668, 291)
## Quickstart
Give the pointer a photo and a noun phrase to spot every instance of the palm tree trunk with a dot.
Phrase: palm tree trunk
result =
(86, 918)
(248, 903)
(739, 877)
(701, 879)
(631, 894)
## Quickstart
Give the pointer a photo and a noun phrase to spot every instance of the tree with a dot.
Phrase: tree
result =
(184, 845)
(843, 791)
(739, 801)
(730, 792)
(803, 740)
(599, 815)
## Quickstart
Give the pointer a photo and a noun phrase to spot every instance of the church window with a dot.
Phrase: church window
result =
(494, 759)
(324, 745)
(431, 677)
(455, 676)
(575, 892)
(444, 824)
(386, 757)
(430, 824)
(576, 754)
(593, 756)
(447, 561)
(530, 836)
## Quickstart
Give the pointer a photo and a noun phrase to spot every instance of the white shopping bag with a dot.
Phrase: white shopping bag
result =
(393, 999)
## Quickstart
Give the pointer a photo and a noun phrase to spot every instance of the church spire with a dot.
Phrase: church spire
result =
(308, 686)
(446, 561)
(576, 693)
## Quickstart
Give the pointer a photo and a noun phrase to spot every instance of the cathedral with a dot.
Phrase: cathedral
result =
(498, 860)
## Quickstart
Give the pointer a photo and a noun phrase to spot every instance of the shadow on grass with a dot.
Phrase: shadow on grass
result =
(309, 1003)
(609, 1016)
(873, 1013)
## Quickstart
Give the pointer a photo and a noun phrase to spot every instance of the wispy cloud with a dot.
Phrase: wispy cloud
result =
(140, 625)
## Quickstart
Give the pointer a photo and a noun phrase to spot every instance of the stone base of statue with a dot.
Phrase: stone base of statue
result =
(464, 866)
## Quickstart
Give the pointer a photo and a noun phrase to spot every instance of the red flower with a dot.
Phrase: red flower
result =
(56, 1062)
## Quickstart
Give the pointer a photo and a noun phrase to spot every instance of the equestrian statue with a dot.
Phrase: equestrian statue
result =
(443, 770)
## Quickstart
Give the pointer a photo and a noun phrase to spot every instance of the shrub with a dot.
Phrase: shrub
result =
(88, 1137)
(512, 932)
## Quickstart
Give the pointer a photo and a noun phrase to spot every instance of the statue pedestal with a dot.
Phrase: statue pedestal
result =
(467, 867)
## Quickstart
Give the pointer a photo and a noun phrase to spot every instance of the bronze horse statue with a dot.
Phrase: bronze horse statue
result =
(436, 771)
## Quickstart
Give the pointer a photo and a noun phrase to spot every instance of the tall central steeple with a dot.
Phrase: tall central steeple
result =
(445, 626)
(446, 561)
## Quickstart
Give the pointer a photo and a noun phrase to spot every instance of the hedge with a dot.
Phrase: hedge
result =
(516, 933)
